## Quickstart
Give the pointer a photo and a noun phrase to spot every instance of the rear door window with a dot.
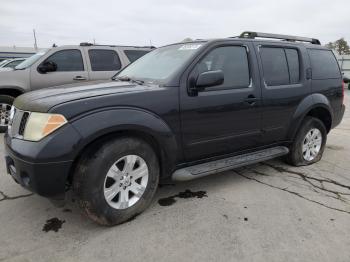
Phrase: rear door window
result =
(67, 60)
(104, 60)
(281, 65)
(133, 55)
(324, 64)
(275, 66)
(293, 65)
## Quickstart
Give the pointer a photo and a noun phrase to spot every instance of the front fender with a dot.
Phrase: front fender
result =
(97, 124)
(306, 105)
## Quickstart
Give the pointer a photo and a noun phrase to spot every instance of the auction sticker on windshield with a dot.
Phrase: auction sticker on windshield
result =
(190, 47)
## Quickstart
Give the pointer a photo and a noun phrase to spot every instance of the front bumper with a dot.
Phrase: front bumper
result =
(42, 167)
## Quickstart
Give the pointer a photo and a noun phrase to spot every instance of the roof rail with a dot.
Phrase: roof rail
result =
(90, 44)
(252, 35)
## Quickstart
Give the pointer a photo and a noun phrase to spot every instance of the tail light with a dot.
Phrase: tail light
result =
(343, 91)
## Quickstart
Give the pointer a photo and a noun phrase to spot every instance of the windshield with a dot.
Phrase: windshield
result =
(30, 60)
(160, 64)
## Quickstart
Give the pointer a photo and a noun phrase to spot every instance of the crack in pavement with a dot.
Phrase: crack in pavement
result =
(307, 178)
(289, 191)
(6, 197)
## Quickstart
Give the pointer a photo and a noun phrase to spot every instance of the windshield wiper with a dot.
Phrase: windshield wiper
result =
(129, 79)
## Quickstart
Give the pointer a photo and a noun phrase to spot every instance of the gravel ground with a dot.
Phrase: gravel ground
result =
(265, 212)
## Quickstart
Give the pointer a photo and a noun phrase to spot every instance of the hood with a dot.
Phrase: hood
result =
(44, 99)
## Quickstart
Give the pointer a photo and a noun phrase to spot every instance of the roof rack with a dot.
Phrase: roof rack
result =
(289, 38)
(91, 44)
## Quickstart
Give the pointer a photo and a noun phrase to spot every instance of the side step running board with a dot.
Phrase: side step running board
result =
(192, 172)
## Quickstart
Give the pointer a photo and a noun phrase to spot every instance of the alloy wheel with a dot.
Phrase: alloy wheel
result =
(5, 110)
(126, 182)
(312, 144)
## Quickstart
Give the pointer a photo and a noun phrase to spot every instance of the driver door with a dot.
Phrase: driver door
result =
(225, 118)
(71, 68)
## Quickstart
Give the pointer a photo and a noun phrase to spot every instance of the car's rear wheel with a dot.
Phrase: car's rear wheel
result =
(309, 143)
(5, 109)
(116, 181)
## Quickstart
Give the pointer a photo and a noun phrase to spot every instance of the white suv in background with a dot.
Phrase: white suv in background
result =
(63, 65)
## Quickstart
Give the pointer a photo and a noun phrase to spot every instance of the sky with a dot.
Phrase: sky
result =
(161, 22)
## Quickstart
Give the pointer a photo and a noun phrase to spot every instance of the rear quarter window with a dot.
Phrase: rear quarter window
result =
(324, 64)
(133, 55)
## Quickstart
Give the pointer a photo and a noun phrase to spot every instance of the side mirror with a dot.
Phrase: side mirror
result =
(346, 80)
(210, 78)
(47, 66)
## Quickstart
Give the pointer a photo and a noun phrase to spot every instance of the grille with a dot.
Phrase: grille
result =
(18, 124)
(23, 123)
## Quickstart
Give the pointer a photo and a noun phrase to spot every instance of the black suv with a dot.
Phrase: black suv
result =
(182, 111)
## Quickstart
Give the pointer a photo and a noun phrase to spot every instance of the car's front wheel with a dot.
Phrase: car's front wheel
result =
(309, 143)
(5, 109)
(117, 181)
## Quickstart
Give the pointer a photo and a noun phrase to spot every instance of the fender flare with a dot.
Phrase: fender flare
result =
(95, 125)
(305, 106)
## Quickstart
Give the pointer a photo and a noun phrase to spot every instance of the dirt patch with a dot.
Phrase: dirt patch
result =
(168, 201)
(53, 224)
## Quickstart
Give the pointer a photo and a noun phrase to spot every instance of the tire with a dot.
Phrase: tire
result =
(93, 177)
(7, 101)
(298, 156)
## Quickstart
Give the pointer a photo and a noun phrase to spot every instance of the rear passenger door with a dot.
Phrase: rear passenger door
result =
(103, 62)
(71, 68)
(284, 84)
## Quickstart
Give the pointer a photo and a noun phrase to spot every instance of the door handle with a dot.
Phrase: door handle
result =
(79, 78)
(251, 100)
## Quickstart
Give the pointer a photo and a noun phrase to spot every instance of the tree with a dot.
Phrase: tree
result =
(340, 46)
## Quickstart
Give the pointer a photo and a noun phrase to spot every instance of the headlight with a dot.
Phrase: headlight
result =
(40, 125)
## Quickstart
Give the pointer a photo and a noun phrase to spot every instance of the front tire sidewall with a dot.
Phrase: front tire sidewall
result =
(91, 187)
(296, 155)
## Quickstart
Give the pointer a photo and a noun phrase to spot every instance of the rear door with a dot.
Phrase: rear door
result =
(284, 85)
(226, 118)
(104, 62)
(71, 68)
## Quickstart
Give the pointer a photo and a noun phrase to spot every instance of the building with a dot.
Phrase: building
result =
(344, 62)
(16, 52)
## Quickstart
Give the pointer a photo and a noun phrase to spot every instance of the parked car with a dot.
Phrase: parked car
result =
(182, 111)
(11, 63)
(4, 61)
(63, 65)
(347, 81)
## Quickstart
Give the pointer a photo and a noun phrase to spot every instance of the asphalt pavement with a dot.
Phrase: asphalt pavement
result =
(264, 212)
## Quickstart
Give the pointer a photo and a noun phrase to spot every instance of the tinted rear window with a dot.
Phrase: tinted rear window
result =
(104, 60)
(324, 65)
(133, 55)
